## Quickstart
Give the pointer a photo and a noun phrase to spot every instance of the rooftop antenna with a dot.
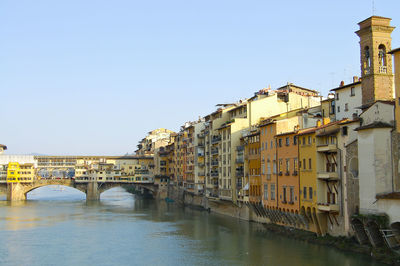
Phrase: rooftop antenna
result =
(373, 8)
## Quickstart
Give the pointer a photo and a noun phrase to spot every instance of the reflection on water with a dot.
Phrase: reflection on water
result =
(61, 228)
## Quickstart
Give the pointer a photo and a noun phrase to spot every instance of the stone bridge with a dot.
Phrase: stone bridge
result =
(92, 188)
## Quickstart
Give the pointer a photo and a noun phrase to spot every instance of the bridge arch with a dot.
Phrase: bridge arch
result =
(30, 189)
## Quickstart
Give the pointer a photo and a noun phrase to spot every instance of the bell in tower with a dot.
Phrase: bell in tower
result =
(376, 64)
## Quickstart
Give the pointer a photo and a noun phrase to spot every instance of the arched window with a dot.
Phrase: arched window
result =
(382, 59)
(367, 60)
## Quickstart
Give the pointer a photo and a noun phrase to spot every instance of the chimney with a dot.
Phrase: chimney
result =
(355, 79)
(341, 84)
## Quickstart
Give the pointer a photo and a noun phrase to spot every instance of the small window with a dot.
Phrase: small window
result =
(346, 107)
(310, 192)
(353, 91)
(309, 139)
(295, 140)
(309, 163)
(344, 131)
(337, 95)
(287, 141)
(338, 109)
(280, 142)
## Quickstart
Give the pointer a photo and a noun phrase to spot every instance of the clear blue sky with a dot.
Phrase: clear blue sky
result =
(94, 76)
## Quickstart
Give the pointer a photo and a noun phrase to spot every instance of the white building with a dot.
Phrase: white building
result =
(347, 99)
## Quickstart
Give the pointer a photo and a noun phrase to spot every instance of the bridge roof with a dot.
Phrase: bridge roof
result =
(133, 157)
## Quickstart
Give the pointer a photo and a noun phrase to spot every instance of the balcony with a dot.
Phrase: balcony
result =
(215, 139)
(240, 148)
(240, 159)
(214, 151)
(327, 148)
(214, 173)
(200, 136)
(200, 145)
(239, 173)
(328, 207)
(328, 175)
(200, 155)
(214, 163)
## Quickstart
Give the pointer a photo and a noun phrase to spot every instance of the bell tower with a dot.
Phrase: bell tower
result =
(376, 63)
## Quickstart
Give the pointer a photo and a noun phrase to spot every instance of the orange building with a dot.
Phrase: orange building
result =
(268, 164)
(288, 175)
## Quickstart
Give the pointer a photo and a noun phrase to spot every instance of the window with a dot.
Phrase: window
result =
(280, 142)
(272, 144)
(344, 131)
(352, 91)
(287, 165)
(287, 141)
(272, 191)
(305, 193)
(284, 195)
(367, 60)
(337, 95)
(304, 140)
(304, 164)
(346, 107)
(291, 194)
(310, 193)
(280, 165)
(266, 191)
(338, 109)
(295, 163)
(309, 163)
(295, 140)
(274, 167)
(382, 58)
(309, 139)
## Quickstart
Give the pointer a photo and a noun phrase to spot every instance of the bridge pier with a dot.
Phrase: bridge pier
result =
(92, 191)
(15, 192)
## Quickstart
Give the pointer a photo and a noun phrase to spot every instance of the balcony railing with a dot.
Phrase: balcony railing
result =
(240, 159)
(214, 173)
(214, 163)
(383, 69)
(240, 148)
(326, 148)
(328, 175)
(239, 173)
(215, 139)
(328, 207)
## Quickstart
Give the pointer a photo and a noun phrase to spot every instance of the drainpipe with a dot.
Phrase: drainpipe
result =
(392, 159)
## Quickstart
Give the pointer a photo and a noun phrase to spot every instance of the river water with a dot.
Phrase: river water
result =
(58, 227)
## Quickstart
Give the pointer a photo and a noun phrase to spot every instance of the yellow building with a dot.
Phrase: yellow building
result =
(308, 178)
(20, 173)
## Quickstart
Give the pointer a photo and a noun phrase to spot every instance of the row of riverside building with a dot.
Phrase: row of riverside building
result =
(329, 165)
